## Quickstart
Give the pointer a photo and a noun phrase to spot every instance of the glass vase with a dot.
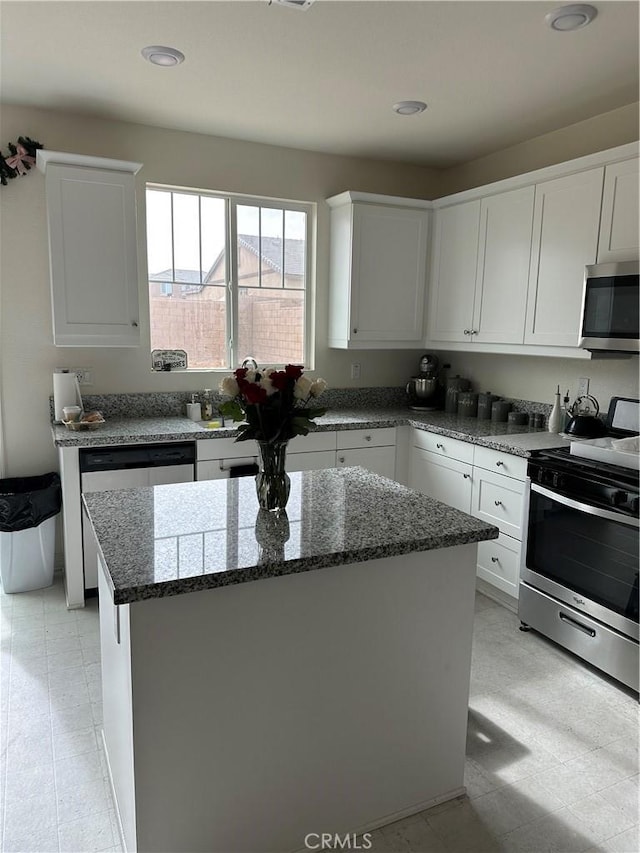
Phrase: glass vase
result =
(272, 481)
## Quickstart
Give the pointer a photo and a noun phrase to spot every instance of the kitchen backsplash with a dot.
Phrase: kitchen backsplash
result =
(173, 404)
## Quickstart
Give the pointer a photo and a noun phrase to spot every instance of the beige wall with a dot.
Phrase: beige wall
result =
(191, 160)
(26, 350)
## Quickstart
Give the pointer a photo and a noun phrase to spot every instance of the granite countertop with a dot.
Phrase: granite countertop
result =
(166, 540)
(518, 440)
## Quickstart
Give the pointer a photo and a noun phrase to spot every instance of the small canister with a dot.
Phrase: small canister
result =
(518, 418)
(485, 401)
(468, 404)
(537, 420)
(194, 411)
(500, 410)
(455, 385)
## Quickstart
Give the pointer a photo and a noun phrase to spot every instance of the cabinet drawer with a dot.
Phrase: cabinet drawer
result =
(498, 500)
(499, 563)
(315, 441)
(503, 463)
(451, 448)
(366, 437)
(224, 448)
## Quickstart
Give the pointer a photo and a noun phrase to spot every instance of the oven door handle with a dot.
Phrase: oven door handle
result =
(592, 510)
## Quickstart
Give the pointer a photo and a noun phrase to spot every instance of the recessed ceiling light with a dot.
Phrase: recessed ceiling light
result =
(409, 108)
(572, 17)
(159, 55)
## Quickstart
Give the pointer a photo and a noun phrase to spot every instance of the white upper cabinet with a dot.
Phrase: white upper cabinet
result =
(93, 250)
(377, 271)
(566, 223)
(504, 250)
(619, 227)
(453, 272)
(480, 269)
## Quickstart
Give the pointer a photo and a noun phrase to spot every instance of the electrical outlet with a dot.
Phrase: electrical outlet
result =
(84, 374)
(583, 386)
(355, 370)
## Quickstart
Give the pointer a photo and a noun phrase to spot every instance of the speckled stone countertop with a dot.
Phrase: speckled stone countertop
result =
(167, 540)
(519, 440)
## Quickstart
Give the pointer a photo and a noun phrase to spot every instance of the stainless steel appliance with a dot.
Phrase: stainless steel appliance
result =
(106, 468)
(424, 389)
(611, 307)
(579, 571)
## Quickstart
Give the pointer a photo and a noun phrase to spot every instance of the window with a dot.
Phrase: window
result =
(228, 277)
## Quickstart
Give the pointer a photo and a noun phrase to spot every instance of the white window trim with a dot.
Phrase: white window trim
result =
(232, 201)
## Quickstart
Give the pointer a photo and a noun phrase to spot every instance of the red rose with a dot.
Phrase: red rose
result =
(240, 373)
(293, 371)
(279, 379)
(253, 393)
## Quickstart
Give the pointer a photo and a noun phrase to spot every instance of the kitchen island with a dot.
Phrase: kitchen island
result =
(267, 676)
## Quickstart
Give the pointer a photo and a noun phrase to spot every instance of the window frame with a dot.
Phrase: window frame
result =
(232, 285)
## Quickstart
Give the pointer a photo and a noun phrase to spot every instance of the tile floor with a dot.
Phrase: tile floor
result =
(552, 758)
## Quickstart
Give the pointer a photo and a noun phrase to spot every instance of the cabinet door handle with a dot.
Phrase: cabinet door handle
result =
(367, 438)
(340, 458)
(474, 332)
(134, 324)
(467, 331)
(499, 463)
(495, 560)
(467, 476)
(355, 331)
(498, 503)
(440, 446)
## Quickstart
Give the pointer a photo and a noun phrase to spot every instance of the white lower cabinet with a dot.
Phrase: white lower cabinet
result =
(499, 563)
(374, 449)
(489, 484)
(443, 478)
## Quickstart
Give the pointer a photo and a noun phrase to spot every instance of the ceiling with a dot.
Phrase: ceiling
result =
(492, 73)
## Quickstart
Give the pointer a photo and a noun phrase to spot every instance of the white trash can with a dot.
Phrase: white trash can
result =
(26, 557)
(28, 510)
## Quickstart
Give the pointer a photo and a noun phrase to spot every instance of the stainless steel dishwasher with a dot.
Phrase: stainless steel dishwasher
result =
(106, 468)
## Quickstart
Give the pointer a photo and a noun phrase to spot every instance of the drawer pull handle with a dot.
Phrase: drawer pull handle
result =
(440, 446)
(499, 463)
(466, 476)
(495, 560)
(467, 331)
(340, 458)
(576, 624)
(498, 503)
(367, 438)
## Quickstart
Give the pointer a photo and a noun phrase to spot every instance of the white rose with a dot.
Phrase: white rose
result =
(317, 387)
(250, 376)
(302, 388)
(229, 386)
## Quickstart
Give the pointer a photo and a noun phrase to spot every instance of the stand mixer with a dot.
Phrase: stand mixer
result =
(424, 390)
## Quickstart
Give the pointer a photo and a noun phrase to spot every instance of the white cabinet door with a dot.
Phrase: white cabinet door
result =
(93, 256)
(446, 480)
(566, 222)
(377, 274)
(619, 238)
(380, 460)
(504, 252)
(453, 272)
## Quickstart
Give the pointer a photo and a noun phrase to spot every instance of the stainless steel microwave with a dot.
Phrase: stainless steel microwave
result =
(611, 307)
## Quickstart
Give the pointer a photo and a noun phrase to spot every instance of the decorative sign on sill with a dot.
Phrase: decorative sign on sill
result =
(168, 359)
(20, 160)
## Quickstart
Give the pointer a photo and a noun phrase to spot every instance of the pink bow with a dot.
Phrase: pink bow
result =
(18, 160)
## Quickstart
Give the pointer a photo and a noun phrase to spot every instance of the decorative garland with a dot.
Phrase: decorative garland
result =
(22, 158)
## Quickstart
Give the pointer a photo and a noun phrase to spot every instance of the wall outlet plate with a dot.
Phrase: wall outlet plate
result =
(355, 370)
(84, 374)
(583, 386)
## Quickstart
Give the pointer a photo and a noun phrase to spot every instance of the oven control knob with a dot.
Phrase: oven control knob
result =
(634, 505)
(557, 480)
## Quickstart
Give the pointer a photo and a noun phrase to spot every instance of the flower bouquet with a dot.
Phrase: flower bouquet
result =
(273, 404)
(273, 407)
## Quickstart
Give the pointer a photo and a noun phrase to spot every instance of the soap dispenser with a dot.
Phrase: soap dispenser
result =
(207, 405)
(556, 419)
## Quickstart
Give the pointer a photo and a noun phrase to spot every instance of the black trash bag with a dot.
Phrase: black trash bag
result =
(28, 501)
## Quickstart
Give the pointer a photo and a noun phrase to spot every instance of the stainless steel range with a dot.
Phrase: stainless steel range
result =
(579, 573)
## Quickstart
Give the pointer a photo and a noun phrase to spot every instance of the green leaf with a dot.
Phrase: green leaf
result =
(232, 409)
